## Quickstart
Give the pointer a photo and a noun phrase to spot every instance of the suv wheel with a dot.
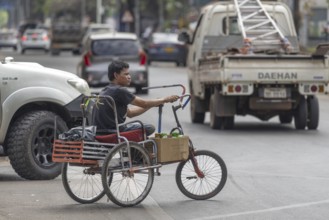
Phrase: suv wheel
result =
(29, 145)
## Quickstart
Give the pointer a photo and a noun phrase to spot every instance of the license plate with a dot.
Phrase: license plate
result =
(275, 93)
(169, 49)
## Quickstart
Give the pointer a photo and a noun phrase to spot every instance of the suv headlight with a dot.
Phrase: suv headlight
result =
(80, 85)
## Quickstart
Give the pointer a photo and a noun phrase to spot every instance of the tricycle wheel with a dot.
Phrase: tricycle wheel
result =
(82, 183)
(209, 183)
(124, 185)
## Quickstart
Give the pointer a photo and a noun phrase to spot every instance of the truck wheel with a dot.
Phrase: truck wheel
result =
(301, 114)
(228, 123)
(29, 145)
(216, 122)
(313, 112)
(285, 118)
(55, 52)
(196, 117)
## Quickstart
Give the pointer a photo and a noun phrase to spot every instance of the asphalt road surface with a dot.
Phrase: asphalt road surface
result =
(275, 171)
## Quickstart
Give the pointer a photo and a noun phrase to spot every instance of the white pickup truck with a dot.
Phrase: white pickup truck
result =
(264, 83)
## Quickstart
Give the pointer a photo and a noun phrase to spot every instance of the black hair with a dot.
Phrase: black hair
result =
(116, 67)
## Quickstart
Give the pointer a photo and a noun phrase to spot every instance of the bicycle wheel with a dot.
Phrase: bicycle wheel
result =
(83, 183)
(201, 188)
(128, 186)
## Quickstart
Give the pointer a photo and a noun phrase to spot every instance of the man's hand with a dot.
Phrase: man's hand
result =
(171, 98)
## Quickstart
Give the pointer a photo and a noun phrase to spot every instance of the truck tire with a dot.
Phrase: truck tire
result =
(55, 52)
(196, 117)
(228, 123)
(300, 115)
(313, 112)
(216, 122)
(285, 118)
(29, 145)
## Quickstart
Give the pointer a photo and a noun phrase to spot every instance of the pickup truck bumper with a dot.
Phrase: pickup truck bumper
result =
(74, 108)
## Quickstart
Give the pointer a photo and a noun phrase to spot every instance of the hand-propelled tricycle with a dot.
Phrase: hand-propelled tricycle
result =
(122, 165)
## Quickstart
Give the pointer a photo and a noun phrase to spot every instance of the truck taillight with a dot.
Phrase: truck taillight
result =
(45, 38)
(142, 58)
(23, 38)
(308, 89)
(86, 58)
(238, 89)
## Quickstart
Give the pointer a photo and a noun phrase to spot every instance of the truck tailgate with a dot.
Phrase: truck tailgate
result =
(264, 69)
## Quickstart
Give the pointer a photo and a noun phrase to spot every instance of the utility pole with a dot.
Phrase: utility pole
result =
(296, 14)
(99, 11)
(161, 14)
(137, 17)
(83, 12)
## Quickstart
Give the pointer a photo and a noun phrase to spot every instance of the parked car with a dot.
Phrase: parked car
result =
(166, 47)
(35, 39)
(8, 38)
(100, 49)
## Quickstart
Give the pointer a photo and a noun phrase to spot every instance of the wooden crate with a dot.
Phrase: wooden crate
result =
(71, 152)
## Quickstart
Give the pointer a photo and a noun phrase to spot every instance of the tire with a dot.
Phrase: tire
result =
(196, 117)
(22, 51)
(313, 113)
(228, 123)
(198, 188)
(55, 52)
(83, 183)
(216, 122)
(285, 118)
(29, 145)
(301, 114)
(127, 187)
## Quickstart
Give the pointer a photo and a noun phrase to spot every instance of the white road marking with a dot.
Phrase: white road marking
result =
(301, 205)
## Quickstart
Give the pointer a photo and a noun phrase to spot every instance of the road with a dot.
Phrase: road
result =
(275, 171)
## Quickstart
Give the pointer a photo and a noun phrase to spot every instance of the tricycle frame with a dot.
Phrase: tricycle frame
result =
(126, 161)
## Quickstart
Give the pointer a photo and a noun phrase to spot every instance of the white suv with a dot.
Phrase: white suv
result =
(32, 97)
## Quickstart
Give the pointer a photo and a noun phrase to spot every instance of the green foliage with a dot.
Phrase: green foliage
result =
(3, 18)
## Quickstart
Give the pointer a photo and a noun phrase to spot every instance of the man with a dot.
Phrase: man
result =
(118, 74)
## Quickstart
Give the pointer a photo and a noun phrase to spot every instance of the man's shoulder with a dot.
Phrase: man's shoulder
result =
(114, 89)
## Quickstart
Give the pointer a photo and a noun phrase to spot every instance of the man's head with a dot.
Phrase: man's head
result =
(118, 72)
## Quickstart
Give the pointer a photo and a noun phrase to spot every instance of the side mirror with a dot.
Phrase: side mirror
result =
(184, 37)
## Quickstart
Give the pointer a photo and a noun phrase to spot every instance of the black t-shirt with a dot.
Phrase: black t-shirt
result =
(103, 113)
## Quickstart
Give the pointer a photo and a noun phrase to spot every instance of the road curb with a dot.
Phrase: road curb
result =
(4, 159)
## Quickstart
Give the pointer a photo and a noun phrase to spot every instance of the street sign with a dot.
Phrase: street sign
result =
(127, 17)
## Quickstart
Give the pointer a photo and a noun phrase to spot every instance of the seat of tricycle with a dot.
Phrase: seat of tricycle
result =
(134, 135)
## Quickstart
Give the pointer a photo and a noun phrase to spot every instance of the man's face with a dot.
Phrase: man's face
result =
(123, 78)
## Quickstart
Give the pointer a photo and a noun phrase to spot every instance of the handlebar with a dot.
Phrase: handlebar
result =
(181, 97)
(166, 86)
(181, 104)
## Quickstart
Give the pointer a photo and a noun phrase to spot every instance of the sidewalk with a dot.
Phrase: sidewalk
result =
(4, 159)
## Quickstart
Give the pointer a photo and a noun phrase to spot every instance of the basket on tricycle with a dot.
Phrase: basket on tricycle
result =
(122, 165)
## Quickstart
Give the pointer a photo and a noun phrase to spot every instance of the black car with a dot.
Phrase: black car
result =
(166, 47)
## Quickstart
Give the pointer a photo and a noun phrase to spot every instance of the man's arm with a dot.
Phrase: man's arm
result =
(142, 105)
